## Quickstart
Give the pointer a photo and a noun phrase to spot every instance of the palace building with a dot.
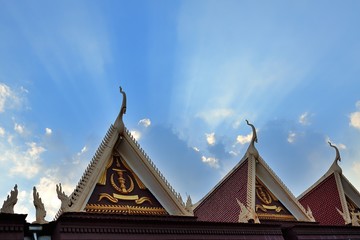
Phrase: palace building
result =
(123, 195)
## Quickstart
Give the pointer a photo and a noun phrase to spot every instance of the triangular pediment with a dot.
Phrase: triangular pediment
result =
(121, 179)
(268, 206)
(238, 197)
(339, 209)
(120, 190)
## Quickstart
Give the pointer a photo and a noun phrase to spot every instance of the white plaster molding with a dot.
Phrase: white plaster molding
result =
(345, 210)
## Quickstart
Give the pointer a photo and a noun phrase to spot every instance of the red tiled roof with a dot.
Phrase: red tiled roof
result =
(220, 205)
(323, 201)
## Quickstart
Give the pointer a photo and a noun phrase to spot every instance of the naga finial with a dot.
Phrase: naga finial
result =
(337, 157)
(11, 200)
(123, 105)
(252, 149)
(63, 198)
(254, 136)
(39, 207)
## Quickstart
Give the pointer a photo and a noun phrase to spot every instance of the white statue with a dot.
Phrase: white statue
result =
(11, 200)
(39, 207)
(63, 198)
(247, 214)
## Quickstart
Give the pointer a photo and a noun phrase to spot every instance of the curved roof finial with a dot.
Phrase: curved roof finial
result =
(254, 136)
(123, 105)
(337, 157)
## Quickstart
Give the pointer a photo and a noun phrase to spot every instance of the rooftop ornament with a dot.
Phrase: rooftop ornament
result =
(40, 209)
(335, 167)
(251, 149)
(121, 126)
(11, 200)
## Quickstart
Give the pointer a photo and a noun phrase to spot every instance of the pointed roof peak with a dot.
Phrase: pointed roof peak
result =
(119, 124)
(335, 167)
(252, 151)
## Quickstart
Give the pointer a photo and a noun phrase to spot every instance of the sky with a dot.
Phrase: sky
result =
(193, 71)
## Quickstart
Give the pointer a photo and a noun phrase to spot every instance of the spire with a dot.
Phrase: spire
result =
(335, 167)
(251, 149)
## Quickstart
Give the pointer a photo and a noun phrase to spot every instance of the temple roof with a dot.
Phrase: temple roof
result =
(122, 179)
(251, 191)
(333, 198)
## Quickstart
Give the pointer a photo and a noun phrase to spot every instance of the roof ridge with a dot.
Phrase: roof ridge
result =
(154, 168)
(89, 169)
(282, 184)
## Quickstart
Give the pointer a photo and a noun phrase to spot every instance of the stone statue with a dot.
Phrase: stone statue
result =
(337, 157)
(39, 207)
(189, 205)
(252, 150)
(63, 198)
(11, 200)
(247, 215)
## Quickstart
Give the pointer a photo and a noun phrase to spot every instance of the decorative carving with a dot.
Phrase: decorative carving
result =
(247, 214)
(125, 184)
(354, 212)
(252, 151)
(309, 214)
(337, 157)
(346, 220)
(11, 200)
(63, 198)
(122, 112)
(124, 209)
(268, 200)
(40, 209)
(189, 205)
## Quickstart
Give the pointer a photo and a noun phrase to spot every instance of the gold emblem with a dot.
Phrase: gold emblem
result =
(267, 199)
(124, 185)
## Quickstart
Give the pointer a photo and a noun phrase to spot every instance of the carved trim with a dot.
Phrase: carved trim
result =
(283, 186)
(154, 169)
(250, 200)
(89, 170)
(124, 209)
(344, 206)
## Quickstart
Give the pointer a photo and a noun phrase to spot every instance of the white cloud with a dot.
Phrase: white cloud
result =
(355, 120)
(19, 128)
(24, 202)
(196, 149)
(233, 153)
(48, 131)
(136, 134)
(145, 122)
(24, 163)
(212, 162)
(7, 97)
(2, 132)
(291, 137)
(210, 138)
(304, 119)
(242, 139)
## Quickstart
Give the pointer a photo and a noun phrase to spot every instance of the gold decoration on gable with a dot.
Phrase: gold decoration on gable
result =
(267, 206)
(353, 208)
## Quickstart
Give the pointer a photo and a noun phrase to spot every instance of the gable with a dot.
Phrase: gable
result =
(122, 179)
(120, 190)
(268, 207)
(220, 204)
(323, 201)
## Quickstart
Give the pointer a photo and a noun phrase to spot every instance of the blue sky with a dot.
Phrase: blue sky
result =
(193, 72)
